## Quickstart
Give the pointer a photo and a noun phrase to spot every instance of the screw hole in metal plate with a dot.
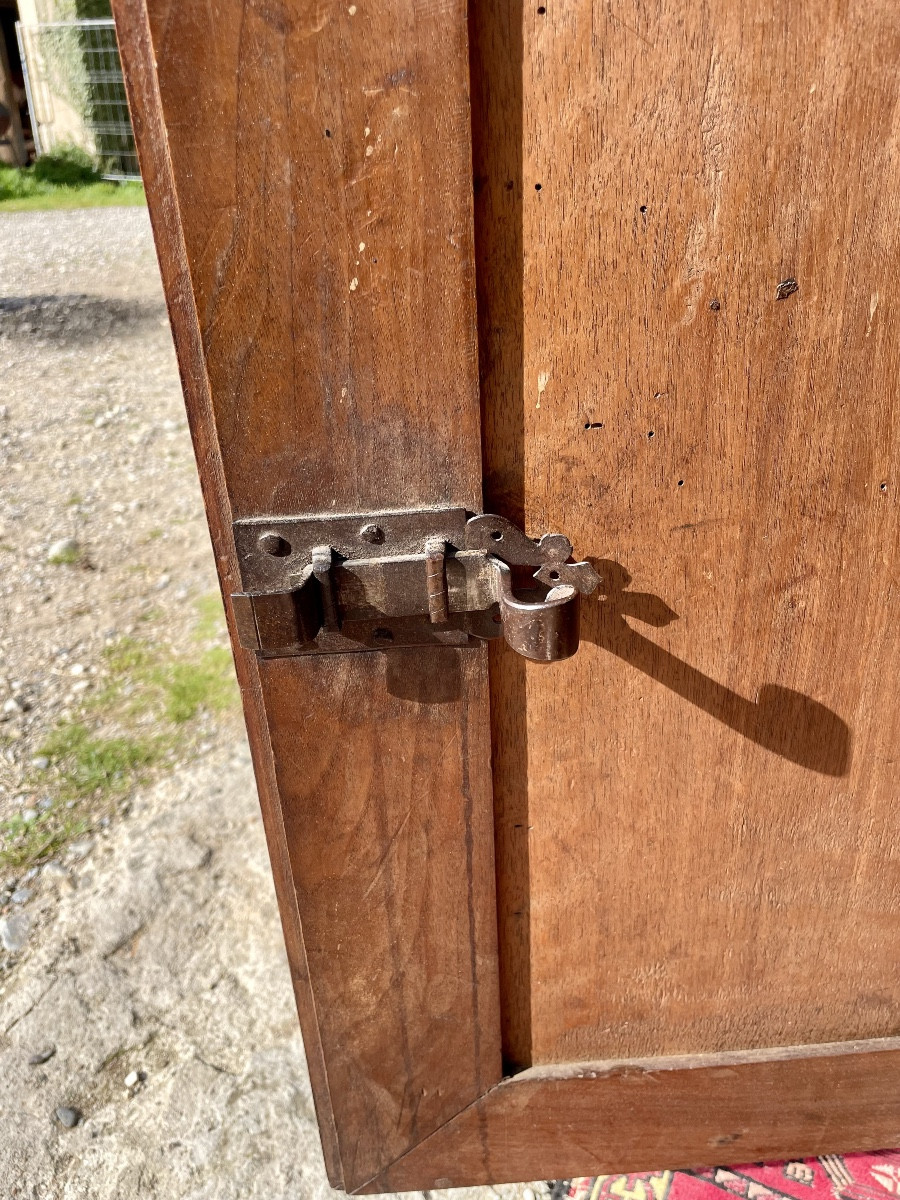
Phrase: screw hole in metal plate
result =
(274, 544)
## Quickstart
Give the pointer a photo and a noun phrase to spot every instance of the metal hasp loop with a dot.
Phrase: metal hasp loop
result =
(329, 585)
(545, 629)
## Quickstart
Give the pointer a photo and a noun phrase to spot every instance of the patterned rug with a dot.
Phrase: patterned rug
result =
(833, 1177)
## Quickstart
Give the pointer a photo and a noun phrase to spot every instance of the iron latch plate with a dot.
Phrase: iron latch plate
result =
(334, 584)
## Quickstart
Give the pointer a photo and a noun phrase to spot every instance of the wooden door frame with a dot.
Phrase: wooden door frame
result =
(576, 1119)
(664, 1113)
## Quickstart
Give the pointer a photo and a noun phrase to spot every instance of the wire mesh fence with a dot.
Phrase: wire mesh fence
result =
(76, 94)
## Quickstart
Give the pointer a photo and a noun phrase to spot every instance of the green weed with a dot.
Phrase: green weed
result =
(67, 557)
(65, 178)
(23, 843)
(205, 684)
(91, 765)
(66, 166)
(126, 656)
(137, 719)
(87, 771)
(148, 679)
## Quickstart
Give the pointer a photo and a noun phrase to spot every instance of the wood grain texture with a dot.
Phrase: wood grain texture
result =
(664, 1113)
(704, 805)
(389, 833)
(696, 851)
(308, 174)
(330, 240)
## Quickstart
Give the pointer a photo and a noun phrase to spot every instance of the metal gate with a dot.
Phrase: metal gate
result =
(76, 93)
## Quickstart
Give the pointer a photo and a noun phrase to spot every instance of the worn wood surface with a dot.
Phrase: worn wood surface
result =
(703, 801)
(695, 847)
(322, 166)
(309, 179)
(664, 1114)
(389, 834)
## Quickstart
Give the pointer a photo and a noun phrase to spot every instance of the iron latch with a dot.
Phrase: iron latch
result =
(332, 584)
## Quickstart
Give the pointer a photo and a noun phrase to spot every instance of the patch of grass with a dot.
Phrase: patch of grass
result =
(92, 765)
(145, 679)
(66, 166)
(66, 178)
(206, 684)
(87, 772)
(126, 656)
(67, 557)
(23, 843)
(137, 719)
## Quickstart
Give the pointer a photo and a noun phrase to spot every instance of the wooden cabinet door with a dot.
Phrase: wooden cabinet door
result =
(639, 908)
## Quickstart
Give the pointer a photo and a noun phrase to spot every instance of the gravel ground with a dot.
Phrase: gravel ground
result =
(93, 451)
(148, 1039)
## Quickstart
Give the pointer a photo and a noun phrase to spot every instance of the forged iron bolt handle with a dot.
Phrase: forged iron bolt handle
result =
(546, 630)
(550, 554)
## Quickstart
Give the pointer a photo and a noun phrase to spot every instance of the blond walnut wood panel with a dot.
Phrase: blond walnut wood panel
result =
(329, 234)
(707, 816)
(309, 180)
(393, 867)
(692, 815)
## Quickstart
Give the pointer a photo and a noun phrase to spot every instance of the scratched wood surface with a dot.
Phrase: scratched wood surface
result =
(663, 1114)
(309, 177)
(703, 801)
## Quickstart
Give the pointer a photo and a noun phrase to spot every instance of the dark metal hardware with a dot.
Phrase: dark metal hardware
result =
(328, 585)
